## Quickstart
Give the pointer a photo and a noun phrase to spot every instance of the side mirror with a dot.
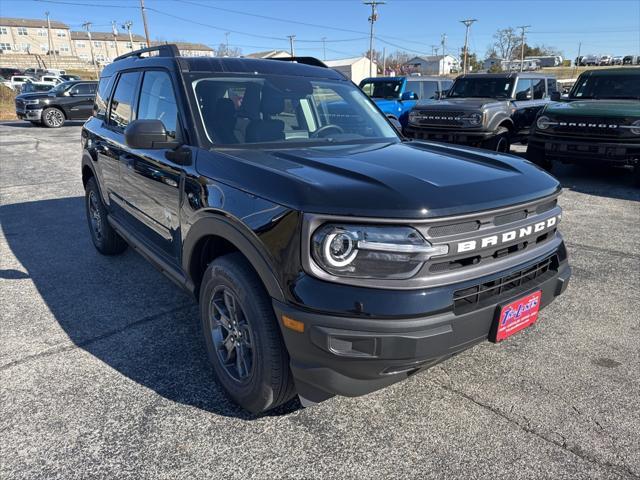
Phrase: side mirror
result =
(396, 123)
(148, 134)
(555, 96)
(521, 96)
(409, 96)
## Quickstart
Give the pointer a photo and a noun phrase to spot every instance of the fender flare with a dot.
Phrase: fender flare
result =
(216, 224)
(499, 119)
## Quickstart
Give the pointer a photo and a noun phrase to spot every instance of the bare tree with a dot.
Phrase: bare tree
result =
(505, 43)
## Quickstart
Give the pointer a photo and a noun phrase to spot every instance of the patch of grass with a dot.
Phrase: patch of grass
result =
(7, 103)
(83, 74)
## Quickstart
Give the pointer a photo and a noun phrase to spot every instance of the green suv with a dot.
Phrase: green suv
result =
(599, 122)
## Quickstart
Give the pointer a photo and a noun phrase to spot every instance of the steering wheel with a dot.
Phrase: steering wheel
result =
(326, 128)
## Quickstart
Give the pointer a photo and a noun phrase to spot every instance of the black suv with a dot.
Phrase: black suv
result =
(329, 255)
(65, 101)
(484, 110)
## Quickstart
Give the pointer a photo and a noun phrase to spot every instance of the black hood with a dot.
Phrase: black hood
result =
(33, 95)
(468, 103)
(391, 180)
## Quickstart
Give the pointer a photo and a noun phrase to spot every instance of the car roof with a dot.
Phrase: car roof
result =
(229, 65)
(506, 75)
(613, 71)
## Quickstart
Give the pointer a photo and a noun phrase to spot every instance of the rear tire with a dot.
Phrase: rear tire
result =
(500, 142)
(53, 117)
(539, 157)
(243, 339)
(104, 237)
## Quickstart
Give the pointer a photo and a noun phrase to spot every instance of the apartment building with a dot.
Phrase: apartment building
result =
(106, 47)
(188, 49)
(24, 35)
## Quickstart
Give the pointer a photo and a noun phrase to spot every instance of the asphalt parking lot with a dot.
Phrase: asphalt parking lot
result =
(103, 372)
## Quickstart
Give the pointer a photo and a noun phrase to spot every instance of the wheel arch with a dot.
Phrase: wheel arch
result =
(215, 234)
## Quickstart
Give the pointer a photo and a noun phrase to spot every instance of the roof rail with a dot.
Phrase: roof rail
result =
(304, 60)
(165, 50)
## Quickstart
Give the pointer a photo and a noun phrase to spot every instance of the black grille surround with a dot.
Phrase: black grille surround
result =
(589, 127)
(491, 292)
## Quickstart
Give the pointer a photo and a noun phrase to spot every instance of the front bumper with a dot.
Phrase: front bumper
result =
(596, 150)
(470, 138)
(353, 355)
(29, 114)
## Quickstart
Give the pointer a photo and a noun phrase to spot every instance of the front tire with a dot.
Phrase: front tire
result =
(104, 237)
(53, 117)
(500, 142)
(242, 336)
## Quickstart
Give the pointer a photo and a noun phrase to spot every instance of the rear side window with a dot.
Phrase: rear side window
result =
(102, 97)
(538, 89)
(523, 85)
(121, 112)
(552, 85)
(157, 100)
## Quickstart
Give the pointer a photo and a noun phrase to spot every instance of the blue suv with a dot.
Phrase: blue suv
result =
(396, 96)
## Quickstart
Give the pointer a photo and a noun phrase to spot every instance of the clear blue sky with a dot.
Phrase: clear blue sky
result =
(604, 26)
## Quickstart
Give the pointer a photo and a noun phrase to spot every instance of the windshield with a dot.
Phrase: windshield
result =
(382, 89)
(482, 87)
(298, 110)
(607, 86)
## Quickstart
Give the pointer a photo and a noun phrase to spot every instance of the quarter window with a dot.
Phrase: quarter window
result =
(157, 100)
(552, 85)
(84, 89)
(121, 112)
(429, 89)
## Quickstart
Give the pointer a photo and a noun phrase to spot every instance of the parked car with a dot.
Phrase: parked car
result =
(631, 60)
(605, 60)
(55, 71)
(590, 60)
(66, 101)
(599, 122)
(17, 81)
(31, 87)
(51, 80)
(617, 60)
(396, 96)
(484, 110)
(8, 72)
(329, 255)
(35, 72)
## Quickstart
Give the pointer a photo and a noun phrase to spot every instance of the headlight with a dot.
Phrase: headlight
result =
(31, 102)
(363, 251)
(635, 127)
(544, 122)
(474, 119)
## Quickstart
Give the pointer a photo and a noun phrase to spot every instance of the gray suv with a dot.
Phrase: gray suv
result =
(484, 110)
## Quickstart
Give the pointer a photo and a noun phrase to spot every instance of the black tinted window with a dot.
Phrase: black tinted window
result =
(482, 87)
(538, 89)
(157, 100)
(121, 112)
(102, 97)
(607, 86)
(84, 89)
(552, 85)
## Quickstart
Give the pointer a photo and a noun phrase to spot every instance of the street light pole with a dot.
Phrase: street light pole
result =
(127, 26)
(523, 28)
(372, 19)
(467, 23)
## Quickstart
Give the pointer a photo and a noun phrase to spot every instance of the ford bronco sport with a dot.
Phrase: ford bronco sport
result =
(328, 254)
(599, 122)
(483, 110)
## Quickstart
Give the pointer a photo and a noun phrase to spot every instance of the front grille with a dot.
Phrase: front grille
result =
(441, 118)
(19, 104)
(590, 127)
(475, 297)
(454, 229)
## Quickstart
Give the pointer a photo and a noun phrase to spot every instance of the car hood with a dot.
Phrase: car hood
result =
(391, 180)
(33, 95)
(461, 103)
(590, 108)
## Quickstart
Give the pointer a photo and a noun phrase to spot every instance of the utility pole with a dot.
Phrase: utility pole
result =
(444, 50)
(114, 29)
(434, 50)
(577, 60)
(372, 19)
(384, 61)
(127, 26)
(87, 27)
(523, 28)
(51, 52)
(226, 43)
(467, 23)
(144, 21)
(292, 38)
(324, 48)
